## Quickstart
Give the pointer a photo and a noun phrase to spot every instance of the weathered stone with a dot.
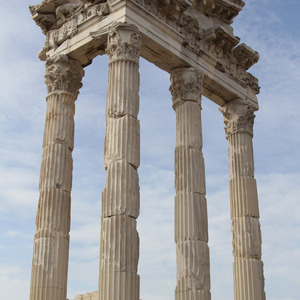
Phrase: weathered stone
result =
(189, 171)
(246, 238)
(248, 279)
(190, 217)
(122, 141)
(188, 126)
(51, 244)
(192, 266)
(88, 296)
(247, 266)
(123, 98)
(119, 285)
(243, 197)
(53, 214)
(186, 85)
(119, 242)
(59, 126)
(191, 231)
(120, 245)
(56, 168)
(121, 194)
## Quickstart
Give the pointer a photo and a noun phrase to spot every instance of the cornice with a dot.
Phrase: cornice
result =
(183, 32)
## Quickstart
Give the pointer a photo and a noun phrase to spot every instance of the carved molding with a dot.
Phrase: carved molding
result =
(203, 25)
(223, 9)
(215, 43)
(186, 85)
(59, 19)
(63, 75)
(238, 117)
(123, 43)
(245, 56)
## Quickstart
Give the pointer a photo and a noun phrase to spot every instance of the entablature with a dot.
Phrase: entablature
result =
(174, 33)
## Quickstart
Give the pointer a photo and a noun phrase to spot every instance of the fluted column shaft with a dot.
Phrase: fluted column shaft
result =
(191, 230)
(119, 245)
(246, 241)
(51, 241)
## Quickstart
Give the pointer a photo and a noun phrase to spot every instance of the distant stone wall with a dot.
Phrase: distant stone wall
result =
(88, 296)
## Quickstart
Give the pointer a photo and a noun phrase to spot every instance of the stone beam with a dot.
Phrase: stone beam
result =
(164, 45)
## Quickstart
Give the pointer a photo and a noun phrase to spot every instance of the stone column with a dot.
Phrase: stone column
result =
(51, 241)
(119, 244)
(247, 267)
(191, 230)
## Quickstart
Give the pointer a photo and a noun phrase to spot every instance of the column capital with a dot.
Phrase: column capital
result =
(63, 75)
(186, 85)
(238, 117)
(123, 43)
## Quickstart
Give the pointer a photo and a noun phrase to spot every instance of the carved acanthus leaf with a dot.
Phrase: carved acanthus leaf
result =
(186, 85)
(238, 117)
(123, 43)
(63, 75)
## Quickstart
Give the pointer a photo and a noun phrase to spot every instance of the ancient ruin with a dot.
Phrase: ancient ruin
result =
(192, 40)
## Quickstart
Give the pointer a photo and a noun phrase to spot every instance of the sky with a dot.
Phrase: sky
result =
(272, 28)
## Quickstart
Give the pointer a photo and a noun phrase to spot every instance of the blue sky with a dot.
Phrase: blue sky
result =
(270, 27)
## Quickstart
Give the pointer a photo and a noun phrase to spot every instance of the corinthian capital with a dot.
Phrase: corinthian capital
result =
(238, 117)
(186, 85)
(123, 43)
(63, 74)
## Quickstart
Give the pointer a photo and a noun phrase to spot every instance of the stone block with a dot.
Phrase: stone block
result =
(190, 217)
(243, 197)
(122, 141)
(59, 130)
(246, 238)
(240, 154)
(56, 168)
(47, 293)
(119, 286)
(60, 104)
(59, 125)
(50, 256)
(189, 171)
(53, 214)
(192, 266)
(88, 296)
(188, 125)
(119, 245)
(248, 279)
(123, 89)
(121, 191)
